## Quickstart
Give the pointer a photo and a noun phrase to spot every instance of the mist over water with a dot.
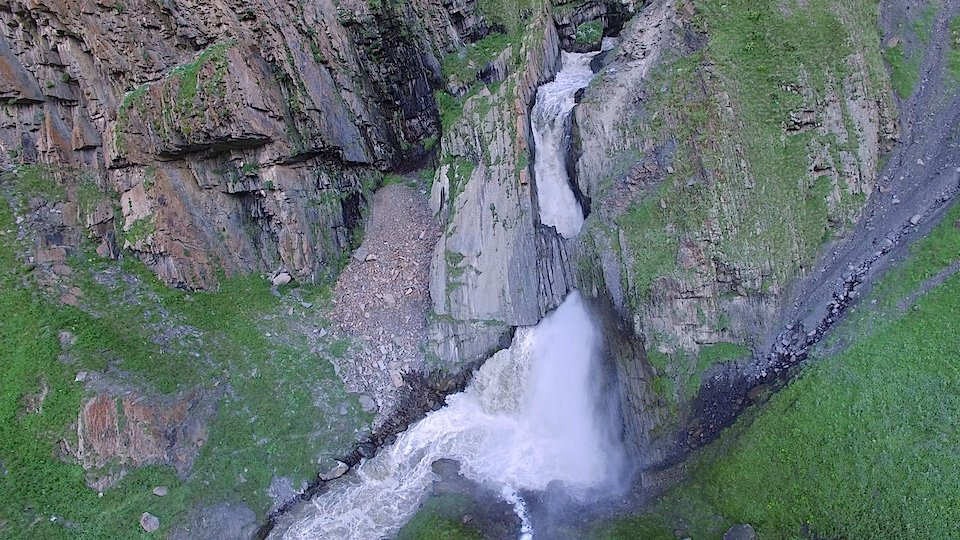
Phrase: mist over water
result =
(531, 416)
(555, 101)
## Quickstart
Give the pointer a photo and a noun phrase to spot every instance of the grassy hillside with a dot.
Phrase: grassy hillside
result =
(282, 407)
(862, 445)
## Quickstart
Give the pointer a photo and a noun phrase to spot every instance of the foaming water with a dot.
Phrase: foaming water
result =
(529, 418)
(555, 101)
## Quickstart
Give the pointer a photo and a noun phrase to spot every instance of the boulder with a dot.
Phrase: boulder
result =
(740, 532)
(337, 471)
(149, 522)
(367, 403)
(281, 279)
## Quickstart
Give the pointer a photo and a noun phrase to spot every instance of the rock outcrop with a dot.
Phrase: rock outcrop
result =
(239, 137)
(119, 431)
(697, 232)
(496, 267)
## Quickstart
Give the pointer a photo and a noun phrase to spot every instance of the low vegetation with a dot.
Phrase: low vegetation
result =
(887, 405)
(242, 342)
(953, 54)
(589, 33)
(441, 518)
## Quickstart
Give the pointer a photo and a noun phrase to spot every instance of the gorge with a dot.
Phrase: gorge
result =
(479, 269)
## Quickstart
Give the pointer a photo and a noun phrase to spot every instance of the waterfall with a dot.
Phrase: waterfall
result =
(555, 102)
(529, 418)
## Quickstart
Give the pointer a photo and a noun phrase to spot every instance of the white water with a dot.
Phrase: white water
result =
(555, 101)
(528, 418)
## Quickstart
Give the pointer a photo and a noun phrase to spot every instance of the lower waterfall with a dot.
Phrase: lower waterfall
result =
(530, 417)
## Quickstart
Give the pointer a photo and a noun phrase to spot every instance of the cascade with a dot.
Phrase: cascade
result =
(532, 414)
(527, 419)
(556, 100)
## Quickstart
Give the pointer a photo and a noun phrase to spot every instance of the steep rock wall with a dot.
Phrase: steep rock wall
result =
(712, 192)
(241, 136)
(494, 269)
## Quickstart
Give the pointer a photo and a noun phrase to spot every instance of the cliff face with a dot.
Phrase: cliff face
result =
(239, 136)
(718, 164)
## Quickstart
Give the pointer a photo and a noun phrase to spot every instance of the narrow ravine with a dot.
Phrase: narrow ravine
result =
(556, 100)
(533, 414)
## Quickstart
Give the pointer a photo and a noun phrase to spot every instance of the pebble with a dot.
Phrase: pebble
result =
(67, 339)
(82, 376)
(160, 491)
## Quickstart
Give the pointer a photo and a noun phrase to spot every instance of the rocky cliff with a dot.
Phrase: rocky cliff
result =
(240, 137)
(719, 160)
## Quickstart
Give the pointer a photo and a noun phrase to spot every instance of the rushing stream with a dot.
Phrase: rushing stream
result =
(533, 413)
(528, 418)
(555, 101)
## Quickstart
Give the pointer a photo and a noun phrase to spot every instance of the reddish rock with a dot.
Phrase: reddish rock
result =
(135, 430)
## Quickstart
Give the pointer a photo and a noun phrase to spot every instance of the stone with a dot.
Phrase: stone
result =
(367, 403)
(396, 377)
(225, 521)
(281, 279)
(740, 532)
(367, 450)
(370, 258)
(360, 255)
(81, 376)
(389, 300)
(69, 299)
(915, 219)
(337, 471)
(67, 339)
(62, 270)
(160, 491)
(149, 522)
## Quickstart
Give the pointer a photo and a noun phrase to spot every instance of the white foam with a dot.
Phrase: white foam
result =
(555, 101)
(528, 418)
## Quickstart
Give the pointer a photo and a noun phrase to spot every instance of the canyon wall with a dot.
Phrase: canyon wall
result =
(234, 136)
(716, 177)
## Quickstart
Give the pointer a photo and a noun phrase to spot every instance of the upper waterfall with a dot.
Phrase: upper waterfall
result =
(555, 101)
(530, 417)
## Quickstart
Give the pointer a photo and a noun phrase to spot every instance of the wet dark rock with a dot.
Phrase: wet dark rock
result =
(227, 521)
(740, 532)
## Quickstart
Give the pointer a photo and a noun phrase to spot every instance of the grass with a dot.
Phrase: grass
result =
(284, 408)
(38, 181)
(861, 445)
(589, 33)
(510, 15)
(953, 53)
(440, 519)
(904, 70)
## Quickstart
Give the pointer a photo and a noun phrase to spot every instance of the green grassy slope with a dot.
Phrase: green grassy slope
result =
(285, 405)
(862, 445)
